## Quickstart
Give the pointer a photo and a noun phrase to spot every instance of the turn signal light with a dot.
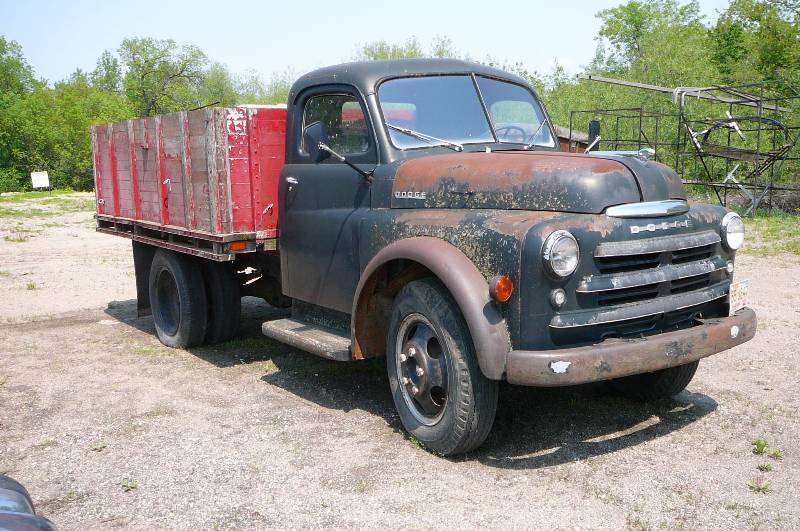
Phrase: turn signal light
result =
(237, 246)
(501, 288)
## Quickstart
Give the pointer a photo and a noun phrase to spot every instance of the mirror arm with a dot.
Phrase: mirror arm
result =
(367, 175)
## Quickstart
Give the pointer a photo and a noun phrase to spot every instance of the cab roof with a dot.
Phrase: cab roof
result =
(365, 75)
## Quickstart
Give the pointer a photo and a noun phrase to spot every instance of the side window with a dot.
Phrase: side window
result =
(343, 119)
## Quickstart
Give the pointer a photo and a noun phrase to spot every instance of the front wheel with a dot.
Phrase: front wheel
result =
(649, 386)
(443, 399)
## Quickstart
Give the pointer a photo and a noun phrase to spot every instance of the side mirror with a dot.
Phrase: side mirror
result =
(313, 136)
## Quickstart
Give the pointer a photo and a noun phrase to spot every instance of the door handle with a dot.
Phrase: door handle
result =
(291, 180)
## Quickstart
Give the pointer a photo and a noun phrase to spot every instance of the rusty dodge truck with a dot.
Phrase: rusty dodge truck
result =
(422, 211)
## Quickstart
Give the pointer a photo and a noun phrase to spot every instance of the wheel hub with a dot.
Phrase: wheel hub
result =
(421, 368)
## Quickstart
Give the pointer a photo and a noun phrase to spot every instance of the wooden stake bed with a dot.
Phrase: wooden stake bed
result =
(192, 181)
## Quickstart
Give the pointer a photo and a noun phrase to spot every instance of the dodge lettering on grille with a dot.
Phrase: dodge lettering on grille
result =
(664, 225)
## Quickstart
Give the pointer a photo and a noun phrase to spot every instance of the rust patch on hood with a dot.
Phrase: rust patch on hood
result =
(514, 181)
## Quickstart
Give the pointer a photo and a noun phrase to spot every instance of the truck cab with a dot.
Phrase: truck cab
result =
(427, 215)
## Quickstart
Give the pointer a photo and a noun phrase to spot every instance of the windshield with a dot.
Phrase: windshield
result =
(449, 109)
(516, 116)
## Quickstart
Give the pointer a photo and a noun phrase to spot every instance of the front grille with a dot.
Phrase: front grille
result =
(644, 272)
(683, 285)
(622, 296)
(621, 264)
(682, 256)
(646, 286)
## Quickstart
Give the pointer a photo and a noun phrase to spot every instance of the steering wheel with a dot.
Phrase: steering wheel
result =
(505, 131)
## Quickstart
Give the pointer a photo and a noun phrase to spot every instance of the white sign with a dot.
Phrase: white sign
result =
(40, 179)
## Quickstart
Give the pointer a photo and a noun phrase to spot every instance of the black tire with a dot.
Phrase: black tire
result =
(649, 386)
(11, 484)
(456, 416)
(178, 299)
(224, 301)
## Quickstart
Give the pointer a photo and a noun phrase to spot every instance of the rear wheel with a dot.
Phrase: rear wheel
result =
(441, 395)
(224, 301)
(654, 385)
(178, 299)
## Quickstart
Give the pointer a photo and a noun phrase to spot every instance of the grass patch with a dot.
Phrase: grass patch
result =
(765, 467)
(29, 213)
(759, 446)
(5, 274)
(769, 235)
(128, 484)
(415, 442)
(25, 196)
(776, 454)
(17, 237)
(252, 343)
(21, 234)
(759, 486)
(636, 523)
(3, 380)
(47, 443)
(97, 446)
(40, 205)
(31, 286)
(150, 351)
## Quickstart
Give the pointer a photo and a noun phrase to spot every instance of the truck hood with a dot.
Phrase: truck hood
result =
(531, 180)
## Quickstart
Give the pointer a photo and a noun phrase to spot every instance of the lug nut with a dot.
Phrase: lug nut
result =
(412, 351)
(405, 380)
(414, 390)
(420, 371)
(403, 358)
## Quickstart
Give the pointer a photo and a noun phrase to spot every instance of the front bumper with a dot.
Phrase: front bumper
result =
(614, 358)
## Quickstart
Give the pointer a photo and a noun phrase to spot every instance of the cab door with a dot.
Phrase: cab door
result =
(322, 204)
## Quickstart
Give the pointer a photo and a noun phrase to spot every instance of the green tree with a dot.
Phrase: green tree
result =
(627, 26)
(218, 87)
(16, 75)
(757, 40)
(79, 105)
(160, 75)
(107, 75)
(441, 47)
(377, 50)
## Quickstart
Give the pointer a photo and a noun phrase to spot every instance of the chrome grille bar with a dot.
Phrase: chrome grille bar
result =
(615, 281)
(673, 242)
(635, 310)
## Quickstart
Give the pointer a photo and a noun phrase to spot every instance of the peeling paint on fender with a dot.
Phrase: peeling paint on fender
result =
(560, 367)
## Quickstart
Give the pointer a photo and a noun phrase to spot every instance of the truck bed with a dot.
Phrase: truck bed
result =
(204, 182)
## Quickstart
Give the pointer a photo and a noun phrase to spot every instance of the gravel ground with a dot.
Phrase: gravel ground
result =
(109, 429)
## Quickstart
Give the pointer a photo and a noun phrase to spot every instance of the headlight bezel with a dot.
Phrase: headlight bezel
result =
(725, 226)
(550, 245)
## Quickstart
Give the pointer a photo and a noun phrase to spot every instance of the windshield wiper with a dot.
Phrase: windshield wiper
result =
(455, 146)
(533, 138)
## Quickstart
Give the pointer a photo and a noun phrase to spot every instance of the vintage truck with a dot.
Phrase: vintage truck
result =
(421, 210)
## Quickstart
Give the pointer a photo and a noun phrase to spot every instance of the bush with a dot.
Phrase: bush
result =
(12, 181)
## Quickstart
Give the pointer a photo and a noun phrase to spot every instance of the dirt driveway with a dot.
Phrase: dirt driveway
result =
(108, 429)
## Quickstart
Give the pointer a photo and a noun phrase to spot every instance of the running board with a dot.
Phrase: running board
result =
(319, 340)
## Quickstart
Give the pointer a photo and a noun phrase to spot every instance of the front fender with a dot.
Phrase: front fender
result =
(462, 279)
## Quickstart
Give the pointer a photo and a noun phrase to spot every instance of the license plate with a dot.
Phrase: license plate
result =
(737, 298)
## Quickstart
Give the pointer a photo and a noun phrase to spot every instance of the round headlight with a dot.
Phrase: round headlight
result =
(732, 231)
(560, 253)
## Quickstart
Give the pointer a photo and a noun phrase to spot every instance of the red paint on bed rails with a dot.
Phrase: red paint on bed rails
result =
(212, 172)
